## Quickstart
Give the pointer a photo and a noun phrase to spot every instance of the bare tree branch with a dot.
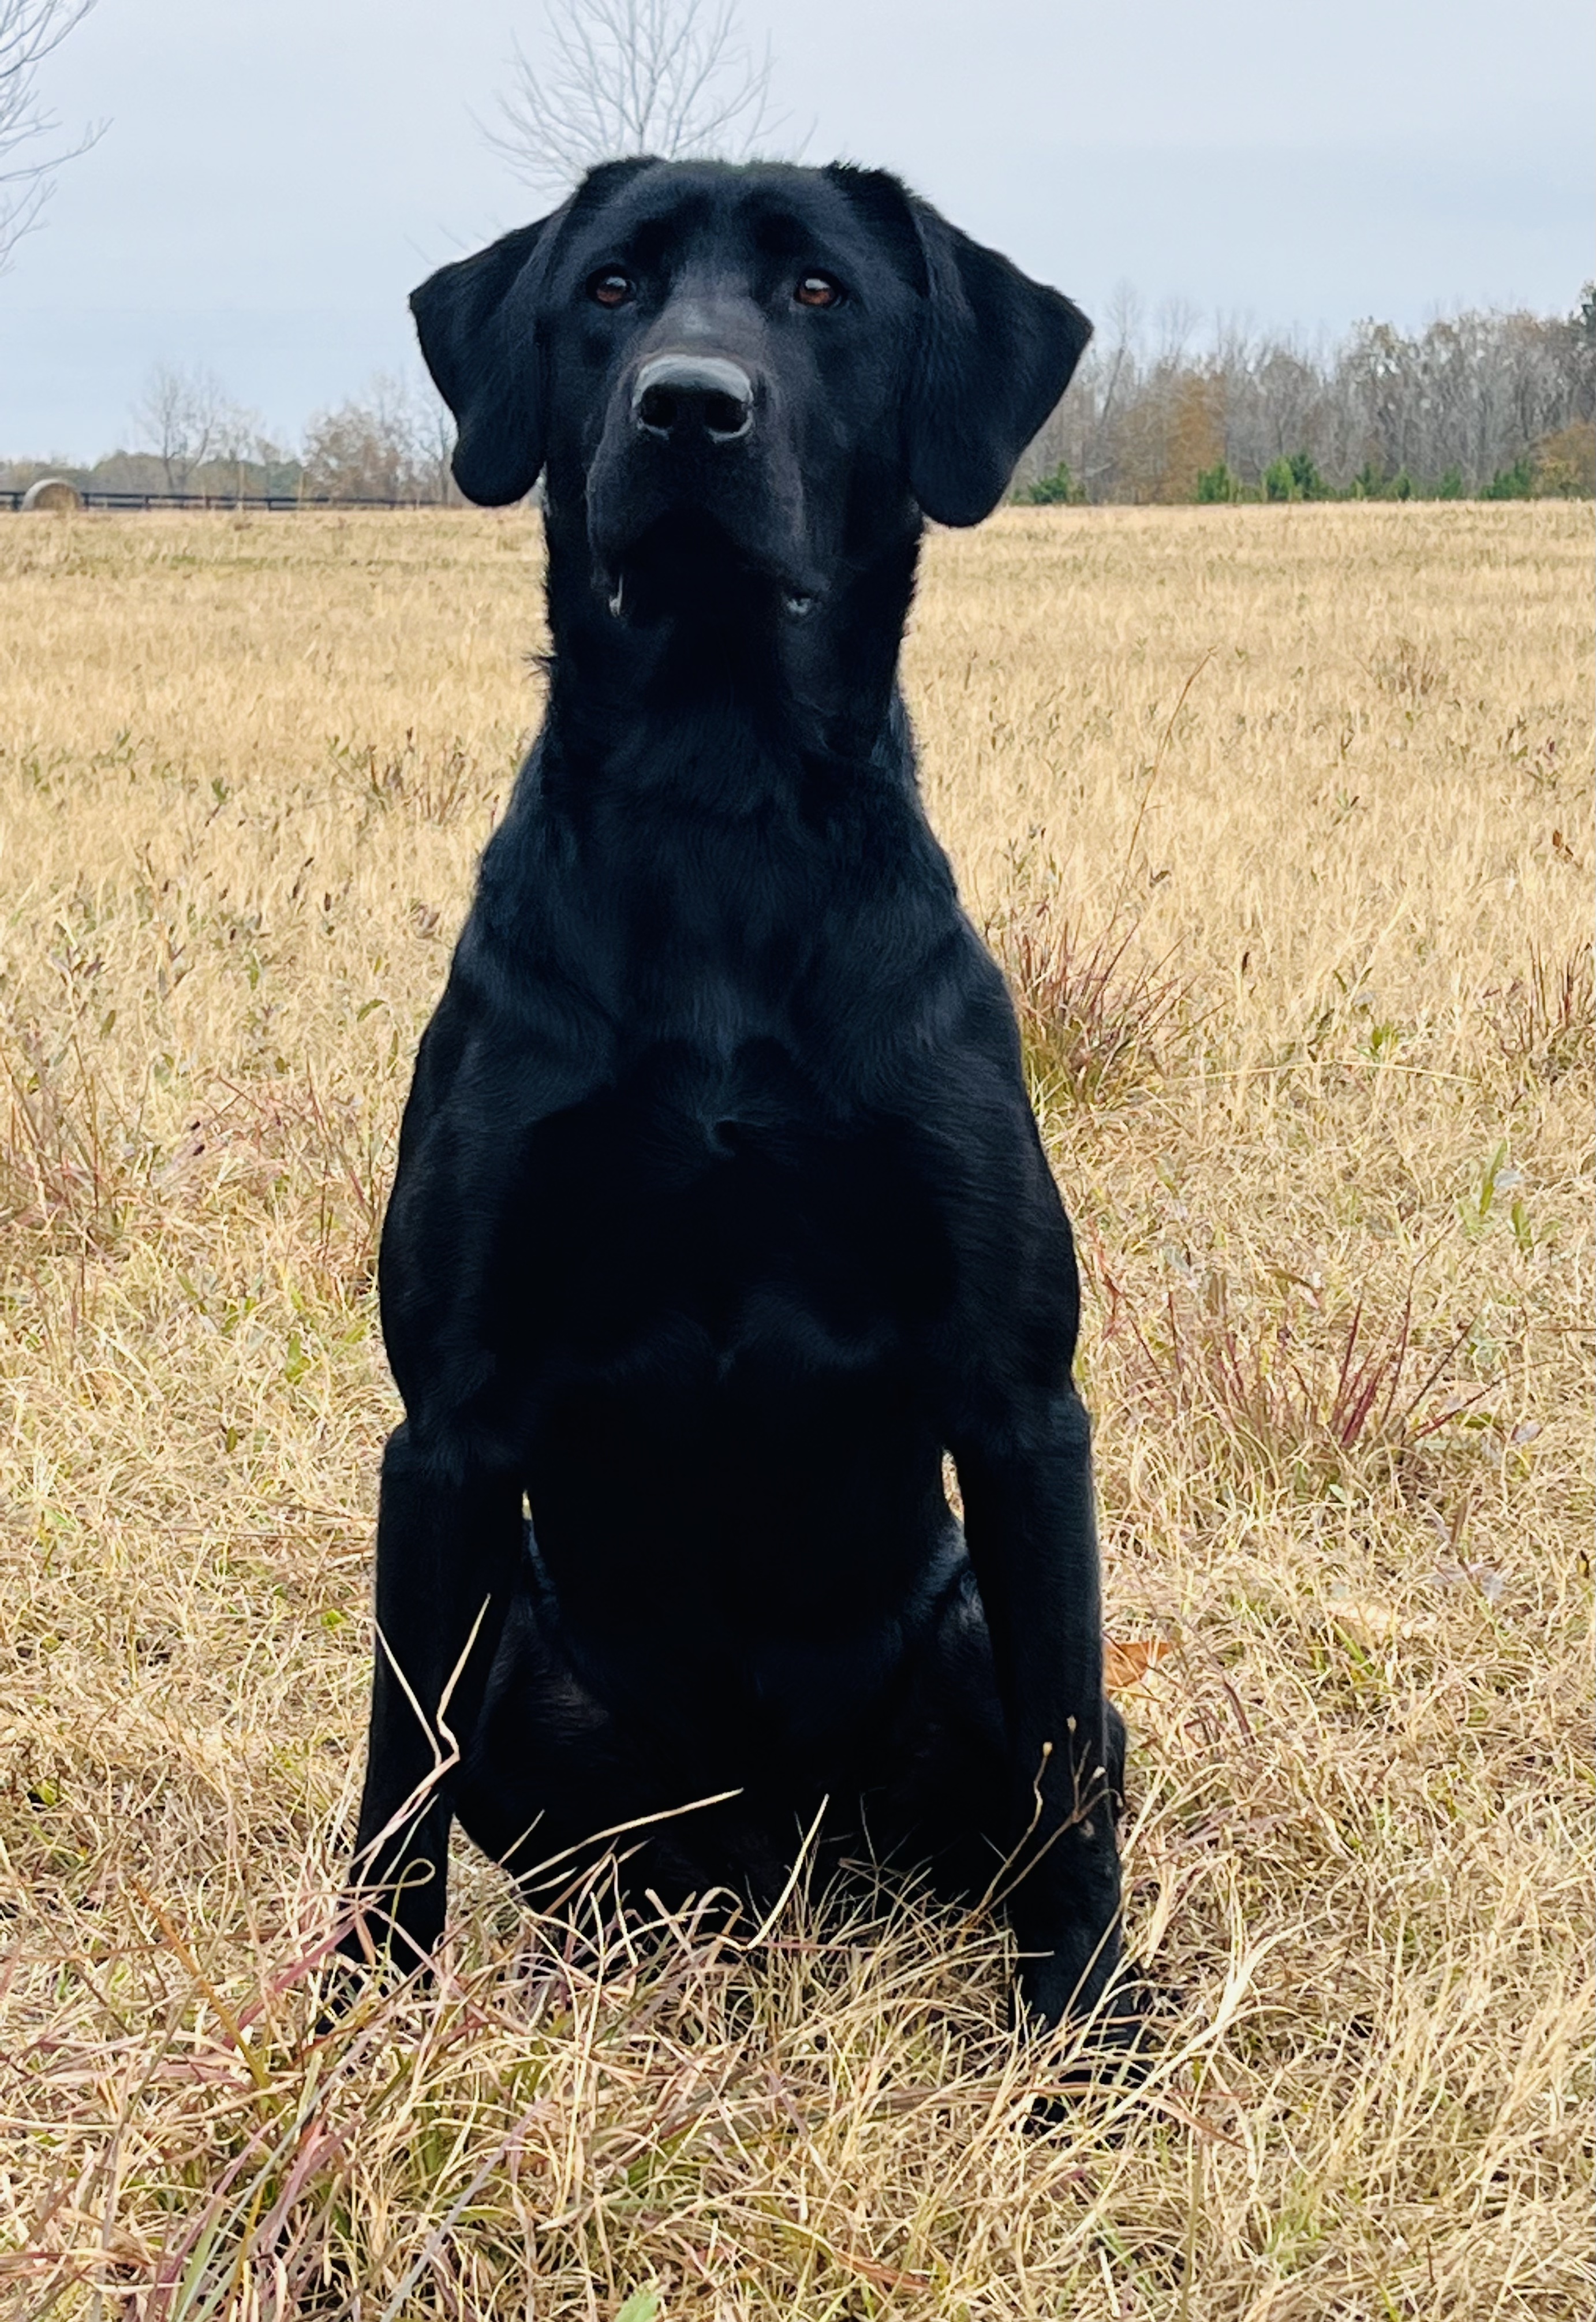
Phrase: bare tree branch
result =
(29, 31)
(187, 417)
(613, 77)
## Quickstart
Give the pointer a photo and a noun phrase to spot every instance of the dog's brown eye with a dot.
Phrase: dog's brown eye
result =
(610, 288)
(817, 290)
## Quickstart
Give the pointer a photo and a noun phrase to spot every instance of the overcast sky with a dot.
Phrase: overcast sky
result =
(276, 174)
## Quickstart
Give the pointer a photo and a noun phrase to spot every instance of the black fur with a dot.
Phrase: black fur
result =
(721, 1212)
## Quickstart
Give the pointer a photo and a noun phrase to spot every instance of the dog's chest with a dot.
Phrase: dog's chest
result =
(718, 1205)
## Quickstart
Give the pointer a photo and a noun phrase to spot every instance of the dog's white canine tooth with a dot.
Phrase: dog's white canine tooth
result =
(615, 603)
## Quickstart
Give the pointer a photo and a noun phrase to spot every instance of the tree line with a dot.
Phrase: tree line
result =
(1496, 406)
(392, 442)
(1476, 404)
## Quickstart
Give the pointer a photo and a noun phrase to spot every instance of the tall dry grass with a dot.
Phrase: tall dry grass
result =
(1280, 817)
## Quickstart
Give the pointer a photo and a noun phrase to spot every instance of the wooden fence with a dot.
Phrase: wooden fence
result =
(89, 497)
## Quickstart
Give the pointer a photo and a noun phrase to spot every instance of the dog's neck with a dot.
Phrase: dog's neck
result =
(754, 683)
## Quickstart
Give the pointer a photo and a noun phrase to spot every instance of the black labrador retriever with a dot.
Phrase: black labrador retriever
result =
(721, 1212)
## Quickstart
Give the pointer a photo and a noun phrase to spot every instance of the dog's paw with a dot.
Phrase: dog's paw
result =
(373, 1957)
(343, 1984)
(1080, 2053)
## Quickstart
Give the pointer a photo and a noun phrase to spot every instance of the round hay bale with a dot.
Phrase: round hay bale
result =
(55, 493)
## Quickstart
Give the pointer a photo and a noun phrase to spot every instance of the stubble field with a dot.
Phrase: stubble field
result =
(1281, 819)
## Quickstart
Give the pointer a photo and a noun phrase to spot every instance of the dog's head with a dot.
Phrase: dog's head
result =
(743, 375)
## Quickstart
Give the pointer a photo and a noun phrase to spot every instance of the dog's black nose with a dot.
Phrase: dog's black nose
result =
(679, 398)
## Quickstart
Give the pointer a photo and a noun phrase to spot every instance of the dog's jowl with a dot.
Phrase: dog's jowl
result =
(721, 1213)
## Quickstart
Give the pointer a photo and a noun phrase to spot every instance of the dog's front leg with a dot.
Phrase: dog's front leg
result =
(448, 1538)
(1026, 1480)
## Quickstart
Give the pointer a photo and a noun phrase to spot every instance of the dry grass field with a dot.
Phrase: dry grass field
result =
(1281, 819)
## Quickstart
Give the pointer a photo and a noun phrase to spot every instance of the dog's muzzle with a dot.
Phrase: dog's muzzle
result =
(695, 499)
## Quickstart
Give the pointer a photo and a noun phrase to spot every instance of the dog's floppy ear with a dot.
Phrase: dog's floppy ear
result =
(997, 353)
(476, 321)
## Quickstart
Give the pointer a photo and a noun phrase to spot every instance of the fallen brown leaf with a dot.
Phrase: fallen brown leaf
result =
(1126, 1664)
